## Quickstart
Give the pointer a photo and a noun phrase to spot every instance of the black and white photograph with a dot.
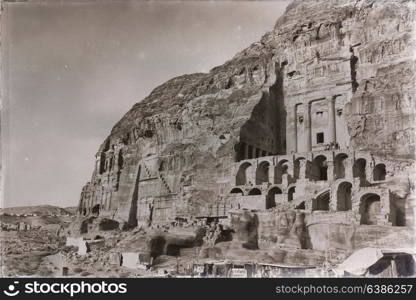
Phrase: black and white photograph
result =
(208, 139)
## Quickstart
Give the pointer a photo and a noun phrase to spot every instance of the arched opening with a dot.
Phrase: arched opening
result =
(321, 202)
(271, 196)
(339, 165)
(281, 169)
(290, 193)
(254, 192)
(379, 172)
(358, 170)
(370, 209)
(242, 177)
(95, 209)
(262, 172)
(297, 166)
(344, 196)
(236, 191)
(319, 168)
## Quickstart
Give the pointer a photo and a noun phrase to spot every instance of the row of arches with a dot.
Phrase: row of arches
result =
(317, 170)
(270, 196)
(370, 204)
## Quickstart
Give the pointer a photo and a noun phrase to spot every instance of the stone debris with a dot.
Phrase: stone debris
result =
(136, 260)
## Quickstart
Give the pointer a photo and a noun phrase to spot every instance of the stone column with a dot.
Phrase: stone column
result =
(383, 218)
(285, 181)
(331, 120)
(308, 127)
(251, 174)
(302, 168)
(333, 199)
(234, 170)
(348, 166)
(330, 170)
(291, 130)
(272, 171)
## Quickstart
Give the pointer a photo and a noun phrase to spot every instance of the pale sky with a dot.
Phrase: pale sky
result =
(72, 70)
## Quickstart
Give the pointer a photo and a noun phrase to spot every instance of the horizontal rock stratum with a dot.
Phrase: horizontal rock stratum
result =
(331, 76)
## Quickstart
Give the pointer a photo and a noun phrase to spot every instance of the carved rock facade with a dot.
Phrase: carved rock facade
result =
(318, 116)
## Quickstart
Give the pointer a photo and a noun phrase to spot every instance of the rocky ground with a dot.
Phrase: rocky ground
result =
(23, 252)
(41, 253)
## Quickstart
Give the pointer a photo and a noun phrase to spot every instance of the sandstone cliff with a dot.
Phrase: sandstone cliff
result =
(170, 155)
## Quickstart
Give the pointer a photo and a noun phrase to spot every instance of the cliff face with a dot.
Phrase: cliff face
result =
(170, 155)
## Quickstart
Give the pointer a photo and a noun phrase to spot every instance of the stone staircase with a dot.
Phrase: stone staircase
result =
(149, 175)
(165, 184)
(159, 176)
